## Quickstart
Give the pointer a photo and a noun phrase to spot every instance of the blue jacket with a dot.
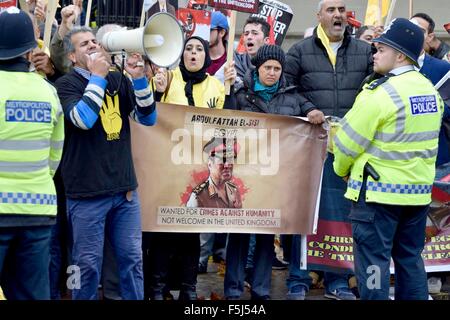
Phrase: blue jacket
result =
(434, 69)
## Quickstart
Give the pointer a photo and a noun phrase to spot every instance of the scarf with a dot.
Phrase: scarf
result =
(192, 78)
(266, 93)
(326, 43)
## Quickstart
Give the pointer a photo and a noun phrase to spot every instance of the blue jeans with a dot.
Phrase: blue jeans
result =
(251, 252)
(237, 250)
(24, 262)
(381, 231)
(120, 219)
(110, 274)
(207, 247)
(56, 260)
(298, 277)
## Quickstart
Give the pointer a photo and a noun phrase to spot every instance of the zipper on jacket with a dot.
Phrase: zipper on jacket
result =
(335, 101)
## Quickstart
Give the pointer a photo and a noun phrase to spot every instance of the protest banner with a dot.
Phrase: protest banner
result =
(331, 249)
(275, 177)
(151, 7)
(7, 3)
(197, 4)
(282, 15)
(250, 6)
(195, 22)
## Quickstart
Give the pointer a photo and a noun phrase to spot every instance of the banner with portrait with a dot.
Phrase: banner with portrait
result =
(271, 186)
(195, 22)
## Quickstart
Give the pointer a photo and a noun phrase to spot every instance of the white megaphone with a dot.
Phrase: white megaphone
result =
(161, 40)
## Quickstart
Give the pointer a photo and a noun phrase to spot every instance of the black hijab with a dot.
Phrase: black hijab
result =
(192, 78)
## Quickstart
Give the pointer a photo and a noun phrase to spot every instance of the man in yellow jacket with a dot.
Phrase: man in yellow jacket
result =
(387, 149)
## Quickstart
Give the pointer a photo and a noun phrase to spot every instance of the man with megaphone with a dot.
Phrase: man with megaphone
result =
(97, 166)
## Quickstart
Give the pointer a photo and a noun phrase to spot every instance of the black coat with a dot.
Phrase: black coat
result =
(333, 91)
(286, 101)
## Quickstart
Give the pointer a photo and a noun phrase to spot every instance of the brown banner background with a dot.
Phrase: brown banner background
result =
(293, 190)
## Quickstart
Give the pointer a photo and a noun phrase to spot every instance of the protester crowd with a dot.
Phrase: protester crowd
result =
(68, 183)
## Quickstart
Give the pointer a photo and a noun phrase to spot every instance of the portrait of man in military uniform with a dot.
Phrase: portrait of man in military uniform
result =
(218, 191)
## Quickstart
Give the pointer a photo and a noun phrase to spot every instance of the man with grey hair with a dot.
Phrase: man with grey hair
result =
(327, 68)
(97, 167)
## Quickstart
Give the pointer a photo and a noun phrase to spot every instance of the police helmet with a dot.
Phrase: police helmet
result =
(404, 36)
(16, 33)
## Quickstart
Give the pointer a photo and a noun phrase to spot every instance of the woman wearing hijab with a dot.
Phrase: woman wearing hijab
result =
(189, 84)
(177, 254)
(265, 90)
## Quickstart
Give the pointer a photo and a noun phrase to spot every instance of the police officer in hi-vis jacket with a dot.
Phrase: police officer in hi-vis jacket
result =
(387, 149)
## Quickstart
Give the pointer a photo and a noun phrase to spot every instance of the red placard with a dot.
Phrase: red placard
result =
(447, 27)
(7, 3)
(250, 6)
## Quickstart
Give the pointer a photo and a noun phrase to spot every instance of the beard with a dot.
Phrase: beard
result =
(214, 43)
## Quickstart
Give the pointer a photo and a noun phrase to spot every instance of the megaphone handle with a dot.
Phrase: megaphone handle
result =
(230, 48)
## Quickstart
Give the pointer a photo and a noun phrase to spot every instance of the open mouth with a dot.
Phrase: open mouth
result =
(250, 45)
(337, 24)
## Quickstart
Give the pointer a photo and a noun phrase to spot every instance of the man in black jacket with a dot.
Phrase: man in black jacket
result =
(328, 69)
(97, 166)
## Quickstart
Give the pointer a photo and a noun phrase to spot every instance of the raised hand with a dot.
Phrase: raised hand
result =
(69, 15)
(40, 10)
(160, 80)
(134, 65)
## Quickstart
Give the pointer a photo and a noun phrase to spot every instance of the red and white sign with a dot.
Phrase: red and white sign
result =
(195, 22)
(250, 6)
(7, 3)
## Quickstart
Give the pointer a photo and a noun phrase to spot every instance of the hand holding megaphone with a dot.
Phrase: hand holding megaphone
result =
(98, 64)
(135, 66)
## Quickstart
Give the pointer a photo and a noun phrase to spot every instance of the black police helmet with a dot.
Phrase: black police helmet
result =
(16, 33)
(404, 36)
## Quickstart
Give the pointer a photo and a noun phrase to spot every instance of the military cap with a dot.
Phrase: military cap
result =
(221, 148)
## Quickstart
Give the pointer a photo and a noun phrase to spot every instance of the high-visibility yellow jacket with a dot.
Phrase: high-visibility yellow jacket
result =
(210, 93)
(394, 126)
(31, 142)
